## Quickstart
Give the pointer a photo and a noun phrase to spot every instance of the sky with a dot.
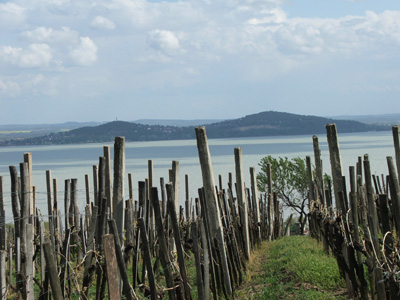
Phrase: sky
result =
(101, 60)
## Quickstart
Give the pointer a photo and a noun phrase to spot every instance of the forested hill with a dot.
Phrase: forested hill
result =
(262, 124)
(272, 123)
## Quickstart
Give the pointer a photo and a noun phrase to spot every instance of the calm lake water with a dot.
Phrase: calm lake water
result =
(74, 161)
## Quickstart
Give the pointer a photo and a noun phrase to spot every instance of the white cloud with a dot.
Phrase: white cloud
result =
(102, 23)
(12, 17)
(139, 12)
(48, 35)
(9, 88)
(12, 11)
(164, 41)
(36, 55)
(85, 53)
(275, 15)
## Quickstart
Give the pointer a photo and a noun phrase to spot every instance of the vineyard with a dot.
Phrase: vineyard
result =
(153, 248)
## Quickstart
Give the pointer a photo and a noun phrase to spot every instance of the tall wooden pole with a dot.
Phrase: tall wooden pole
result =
(270, 204)
(52, 270)
(107, 177)
(319, 171)
(310, 181)
(28, 160)
(394, 193)
(118, 195)
(373, 225)
(187, 198)
(24, 171)
(212, 204)
(175, 182)
(242, 201)
(254, 194)
(130, 186)
(163, 253)
(3, 283)
(396, 141)
(50, 206)
(95, 185)
(336, 165)
(2, 217)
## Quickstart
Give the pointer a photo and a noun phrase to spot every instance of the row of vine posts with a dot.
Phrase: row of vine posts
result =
(125, 248)
(362, 228)
(121, 247)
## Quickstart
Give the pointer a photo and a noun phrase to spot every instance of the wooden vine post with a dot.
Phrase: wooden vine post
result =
(318, 171)
(396, 141)
(243, 209)
(118, 194)
(211, 199)
(336, 165)
(254, 199)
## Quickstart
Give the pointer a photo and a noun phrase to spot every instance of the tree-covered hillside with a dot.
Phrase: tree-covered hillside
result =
(268, 123)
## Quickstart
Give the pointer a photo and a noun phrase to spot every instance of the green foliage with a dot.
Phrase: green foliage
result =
(289, 177)
(289, 180)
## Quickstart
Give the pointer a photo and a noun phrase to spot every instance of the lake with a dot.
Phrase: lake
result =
(74, 161)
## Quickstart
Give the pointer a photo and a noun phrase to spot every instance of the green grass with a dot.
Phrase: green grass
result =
(292, 268)
(289, 268)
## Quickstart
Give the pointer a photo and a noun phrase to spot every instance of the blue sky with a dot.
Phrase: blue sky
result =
(74, 60)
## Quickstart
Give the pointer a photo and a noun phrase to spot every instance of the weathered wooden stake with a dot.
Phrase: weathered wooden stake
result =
(112, 267)
(396, 141)
(3, 283)
(2, 217)
(43, 274)
(52, 269)
(74, 210)
(147, 259)
(130, 185)
(126, 287)
(118, 194)
(206, 261)
(319, 170)
(88, 269)
(162, 242)
(243, 208)
(311, 197)
(187, 197)
(95, 185)
(30, 293)
(50, 206)
(67, 194)
(336, 165)
(28, 160)
(87, 189)
(177, 237)
(212, 204)
(254, 199)
(108, 191)
(200, 287)
(394, 193)
(373, 227)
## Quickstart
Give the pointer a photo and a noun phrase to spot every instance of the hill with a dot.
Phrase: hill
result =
(271, 123)
(268, 123)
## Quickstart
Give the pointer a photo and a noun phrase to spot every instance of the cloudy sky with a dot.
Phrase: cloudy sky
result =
(98, 60)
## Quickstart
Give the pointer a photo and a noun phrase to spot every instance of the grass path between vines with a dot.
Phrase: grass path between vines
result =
(293, 267)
